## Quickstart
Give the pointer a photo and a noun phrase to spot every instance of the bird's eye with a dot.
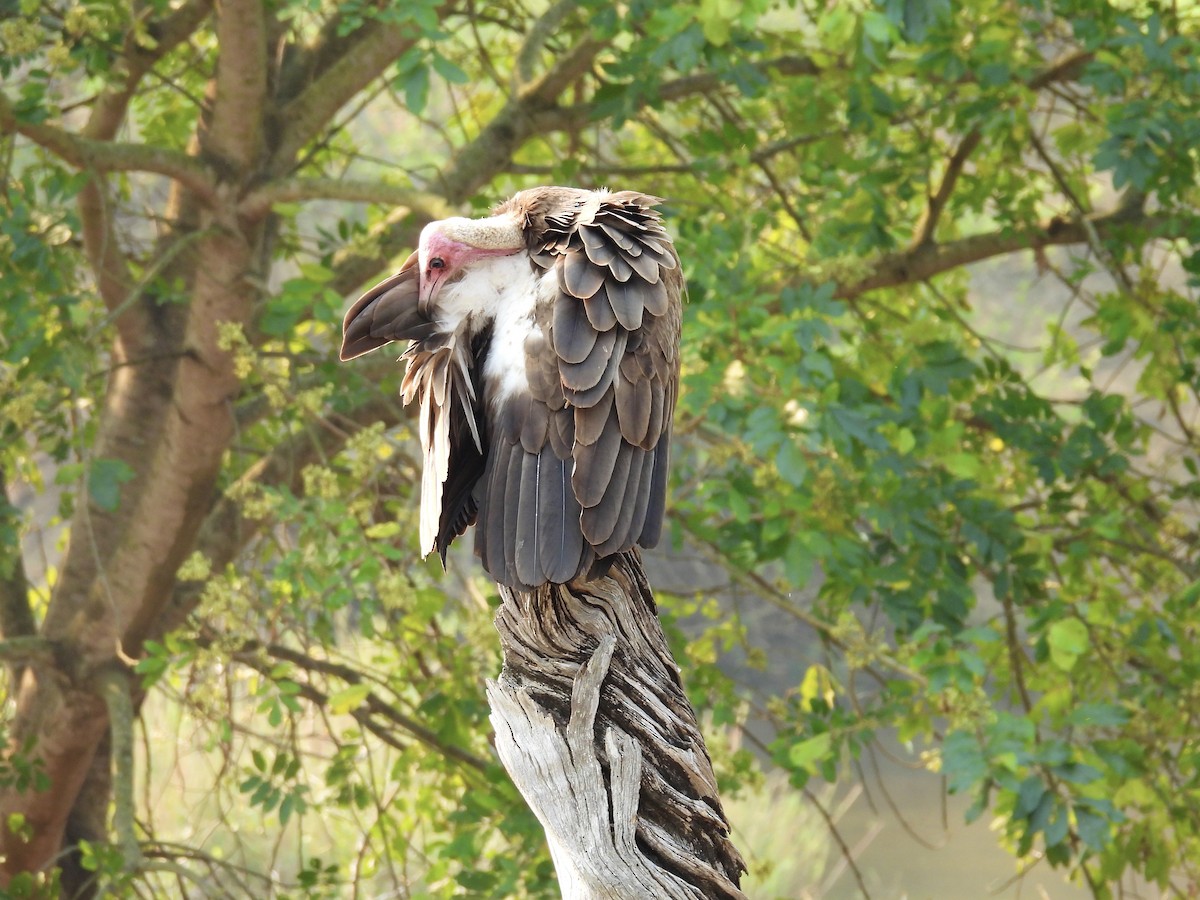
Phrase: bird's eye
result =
(437, 263)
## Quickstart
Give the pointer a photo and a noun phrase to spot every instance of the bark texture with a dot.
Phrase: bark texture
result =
(594, 727)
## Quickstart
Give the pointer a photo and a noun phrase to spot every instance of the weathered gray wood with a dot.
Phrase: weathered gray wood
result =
(596, 732)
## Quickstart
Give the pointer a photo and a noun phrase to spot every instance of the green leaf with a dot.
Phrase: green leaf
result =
(836, 27)
(964, 465)
(807, 755)
(716, 18)
(349, 698)
(817, 685)
(791, 463)
(1098, 714)
(383, 530)
(877, 27)
(448, 70)
(316, 273)
(416, 89)
(1093, 829)
(105, 477)
(1067, 640)
(68, 473)
(16, 824)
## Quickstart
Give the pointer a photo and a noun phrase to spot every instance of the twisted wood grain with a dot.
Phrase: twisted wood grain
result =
(594, 727)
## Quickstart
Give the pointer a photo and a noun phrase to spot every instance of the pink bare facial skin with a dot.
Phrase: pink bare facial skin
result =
(435, 245)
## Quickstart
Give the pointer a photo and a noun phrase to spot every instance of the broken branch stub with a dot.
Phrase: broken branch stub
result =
(596, 732)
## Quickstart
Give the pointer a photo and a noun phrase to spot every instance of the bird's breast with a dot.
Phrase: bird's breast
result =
(514, 323)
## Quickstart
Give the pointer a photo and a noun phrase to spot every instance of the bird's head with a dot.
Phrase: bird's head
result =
(448, 248)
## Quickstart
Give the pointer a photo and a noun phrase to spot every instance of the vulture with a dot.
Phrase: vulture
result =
(544, 356)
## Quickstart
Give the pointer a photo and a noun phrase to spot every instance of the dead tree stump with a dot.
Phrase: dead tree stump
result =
(596, 732)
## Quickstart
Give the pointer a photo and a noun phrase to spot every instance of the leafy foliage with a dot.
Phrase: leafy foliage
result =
(988, 485)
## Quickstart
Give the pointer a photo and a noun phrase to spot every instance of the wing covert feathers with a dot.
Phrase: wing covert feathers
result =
(604, 365)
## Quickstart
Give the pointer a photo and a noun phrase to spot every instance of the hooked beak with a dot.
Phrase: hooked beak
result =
(431, 283)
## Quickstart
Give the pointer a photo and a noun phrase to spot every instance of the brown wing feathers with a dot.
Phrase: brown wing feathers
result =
(531, 515)
(609, 379)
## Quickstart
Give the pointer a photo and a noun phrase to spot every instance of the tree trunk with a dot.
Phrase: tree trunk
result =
(596, 732)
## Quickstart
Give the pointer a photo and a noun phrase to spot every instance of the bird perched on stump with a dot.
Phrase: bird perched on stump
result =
(545, 359)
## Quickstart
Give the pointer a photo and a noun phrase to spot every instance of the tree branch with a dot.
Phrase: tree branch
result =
(937, 201)
(1114, 268)
(289, 190)
(367, 713)
(472, 167)
(362, 62)
(113, 684)
(108, 110)
(568, 68)
(111, 269)
(111, 156)
(625, 791)
(608, 169)
(1067, 67)
(27, 649)
(352, 266)
(930, 259)
(17, 623)
(475, 165)
(109, 264)
(304, 64)
(372, 705)
(16, 615)
(225, 531)
(235, 132)
(536, 38)
(703, 82)
(566, 118)
(493, 149)
(560, 118)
